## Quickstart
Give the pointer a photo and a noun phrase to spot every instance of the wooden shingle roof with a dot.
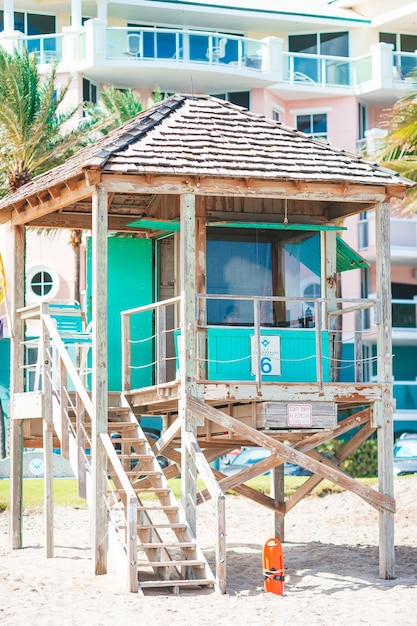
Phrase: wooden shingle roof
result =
(203, 136)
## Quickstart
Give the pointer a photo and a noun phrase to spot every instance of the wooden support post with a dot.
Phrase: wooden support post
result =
(200, 286)
(384, 408)
(17, 382)
(277, 492)
(48, 431)
(188, 365)
(329, 291)
(100, 384)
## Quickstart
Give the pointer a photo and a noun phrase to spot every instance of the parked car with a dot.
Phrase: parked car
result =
(250, 456)
(405, 455)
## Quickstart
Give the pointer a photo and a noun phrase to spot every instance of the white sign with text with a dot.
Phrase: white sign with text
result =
(270, 355)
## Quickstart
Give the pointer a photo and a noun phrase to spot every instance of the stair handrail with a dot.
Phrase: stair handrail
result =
(69, 365)
(131, 511)
(218, 496)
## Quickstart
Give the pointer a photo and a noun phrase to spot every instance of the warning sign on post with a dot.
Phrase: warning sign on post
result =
(300, 415)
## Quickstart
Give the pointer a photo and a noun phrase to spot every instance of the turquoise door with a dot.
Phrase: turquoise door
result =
(130, 285)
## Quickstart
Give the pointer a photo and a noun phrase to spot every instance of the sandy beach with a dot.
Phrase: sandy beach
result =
(331, 571)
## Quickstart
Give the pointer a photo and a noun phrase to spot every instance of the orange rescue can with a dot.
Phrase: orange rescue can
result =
(273, 567)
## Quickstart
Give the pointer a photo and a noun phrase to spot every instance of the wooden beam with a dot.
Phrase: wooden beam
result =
(100, 382)
(331, 192)
(187, 358)
(364, 433)
(79, 191)
(292, 455)
(82, 221)
(16, 386)
(337, 210)
(48, 431)
(231, 482)
(384, 409)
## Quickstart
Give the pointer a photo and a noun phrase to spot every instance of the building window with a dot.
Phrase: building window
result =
(90, 91)
(31, 23)
(363, 120)
(43, 283)
(404, 60)
(276, 115)
(329, 44)
(314, 124)
(241, 98)
(363, 231)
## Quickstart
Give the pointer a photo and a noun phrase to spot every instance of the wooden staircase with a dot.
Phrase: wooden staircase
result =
(168, 555)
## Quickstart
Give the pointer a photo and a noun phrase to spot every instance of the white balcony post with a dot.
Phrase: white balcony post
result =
(9, 38)
(102, 10)
(382, 65)
(8, 15)
(71, 46)
(95, 33)
(272, 56)
(76, 13)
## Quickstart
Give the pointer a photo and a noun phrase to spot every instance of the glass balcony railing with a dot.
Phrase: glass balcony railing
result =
(316, 69)
(405, 65)
(362, 70)
(184, 46)
(48, 48)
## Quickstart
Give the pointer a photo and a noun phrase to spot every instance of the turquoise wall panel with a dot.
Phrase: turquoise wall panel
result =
(130, 285)
(229, 354)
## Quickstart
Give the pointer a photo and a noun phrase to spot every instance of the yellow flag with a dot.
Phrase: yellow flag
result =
(2, 281)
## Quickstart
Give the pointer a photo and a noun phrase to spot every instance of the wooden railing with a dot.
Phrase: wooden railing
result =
(126, 525)
(330, 324)
(217, 496)
(156, 346)
(66, 399)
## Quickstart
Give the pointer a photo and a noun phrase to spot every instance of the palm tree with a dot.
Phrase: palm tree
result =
(32, 122)
(115, 107)
(400, 145)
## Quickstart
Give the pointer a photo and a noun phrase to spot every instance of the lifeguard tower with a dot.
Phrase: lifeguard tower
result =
(223, 210)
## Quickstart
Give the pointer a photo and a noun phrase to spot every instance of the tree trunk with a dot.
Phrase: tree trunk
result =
(75, 242)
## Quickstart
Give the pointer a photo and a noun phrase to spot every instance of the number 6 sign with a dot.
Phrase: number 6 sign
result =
(270, 355)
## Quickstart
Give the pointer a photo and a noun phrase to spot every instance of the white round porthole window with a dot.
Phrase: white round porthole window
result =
(42, 283)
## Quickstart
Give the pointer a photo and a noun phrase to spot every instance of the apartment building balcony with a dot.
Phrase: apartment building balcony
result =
(174, 59)
(205, 61)
(403, 240)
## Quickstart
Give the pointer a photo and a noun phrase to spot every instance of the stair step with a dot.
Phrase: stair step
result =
(134, 457)
(185, 545)
(158, 507)
(184, 563)
(133, 472)
(174, 526)
(134, 441)
(160, 490)
(200, 582)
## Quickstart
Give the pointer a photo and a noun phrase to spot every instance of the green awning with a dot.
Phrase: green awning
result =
(347, 258)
